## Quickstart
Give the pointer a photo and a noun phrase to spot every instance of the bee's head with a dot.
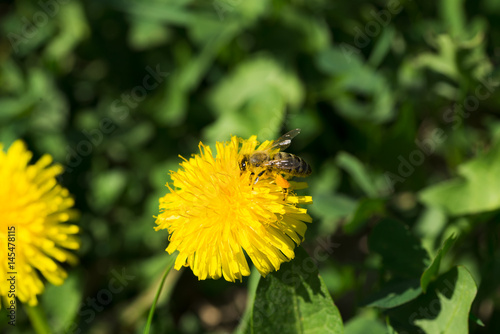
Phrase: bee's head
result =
(243, 163)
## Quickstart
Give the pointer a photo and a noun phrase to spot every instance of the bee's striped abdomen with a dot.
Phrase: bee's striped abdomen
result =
(291, 164)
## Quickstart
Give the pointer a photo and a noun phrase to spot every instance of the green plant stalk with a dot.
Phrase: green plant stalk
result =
(153, 306)
(38, 319)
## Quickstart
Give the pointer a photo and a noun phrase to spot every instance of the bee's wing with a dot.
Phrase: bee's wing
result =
(284, 163)
(284, 141)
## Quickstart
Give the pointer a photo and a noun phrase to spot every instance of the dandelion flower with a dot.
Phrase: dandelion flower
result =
(37, 207)
(215, 214)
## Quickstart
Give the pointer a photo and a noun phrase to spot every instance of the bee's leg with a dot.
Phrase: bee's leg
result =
(259, 175)
(251, 177)
(285, 192)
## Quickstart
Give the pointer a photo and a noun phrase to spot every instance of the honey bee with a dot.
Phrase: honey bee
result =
(275, 162)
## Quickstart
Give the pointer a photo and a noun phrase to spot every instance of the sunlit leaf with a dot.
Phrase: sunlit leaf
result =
(395, 293)
(295, 300)
(474, 191)
(455, 292)
(432, 271)
(443, 309)
(363, 324)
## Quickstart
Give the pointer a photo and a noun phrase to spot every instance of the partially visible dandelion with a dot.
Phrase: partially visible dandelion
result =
(215, 214)
(38, 208)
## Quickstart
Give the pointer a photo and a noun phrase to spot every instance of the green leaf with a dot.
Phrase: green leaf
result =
(332, 206)
(382, 46)
(429, 226)
(328, 178)
(444, 309)
(351, 79)
(476, 190)
(443, 62)
(395, 294)
(476, 320)
(107, 188)
(401, 252)
(363, 324)
(315, 35)
(172, 109)
(147, 34)
(63, 302)
(252, 100)
(433, 270)
(390, 329)
(295, 300)
(336, 61)
(367, 208)
(358, 172)
(73, 29)
(455, 291)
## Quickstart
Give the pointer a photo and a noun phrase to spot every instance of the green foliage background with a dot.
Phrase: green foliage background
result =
(398, 105)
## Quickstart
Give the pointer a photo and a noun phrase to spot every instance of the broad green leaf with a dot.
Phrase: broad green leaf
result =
(433, 270)
(364, 324)
(444, 309)
(252, 78)
(351, 79)
(395, 293)
(295, 300)
(252, 100)
(63, 302)
(401, 252)
(147, 34)
(332, 206)
(455, 292)
(338, 61)
(476, 190)
(429, 227)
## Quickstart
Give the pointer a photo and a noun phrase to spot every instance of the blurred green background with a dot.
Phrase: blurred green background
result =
(392, 97)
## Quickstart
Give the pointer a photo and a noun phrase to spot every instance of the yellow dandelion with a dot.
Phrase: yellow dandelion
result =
(33, 233)
(215, 213)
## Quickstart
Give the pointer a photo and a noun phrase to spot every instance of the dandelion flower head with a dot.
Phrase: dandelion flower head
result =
(34, 210)
(215, 213)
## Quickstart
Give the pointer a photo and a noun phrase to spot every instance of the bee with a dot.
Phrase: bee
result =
(275, 162)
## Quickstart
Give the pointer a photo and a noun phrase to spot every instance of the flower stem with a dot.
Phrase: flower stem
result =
(153, 306)
(38, 319)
